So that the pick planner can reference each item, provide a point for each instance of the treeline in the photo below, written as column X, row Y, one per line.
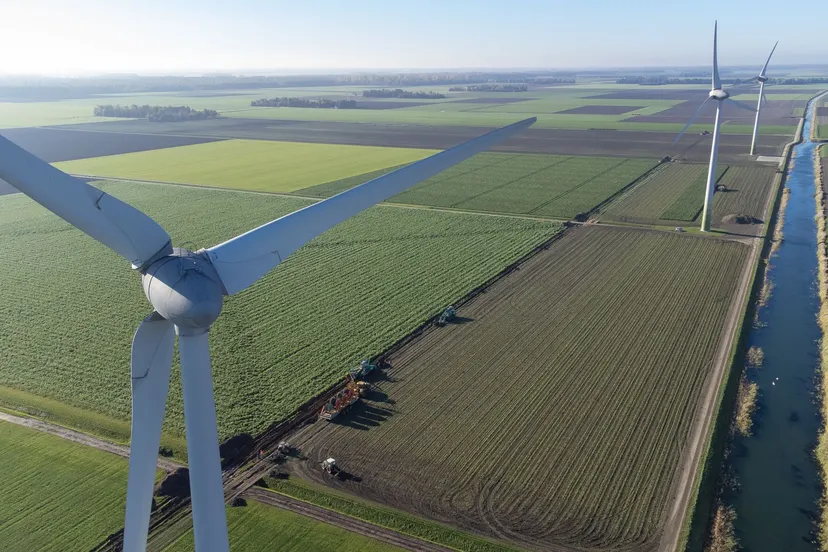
column 799, row 80
column 551, row 80
column 301, row 102
column 155, row 113
column 490, row 88
column 400, row 93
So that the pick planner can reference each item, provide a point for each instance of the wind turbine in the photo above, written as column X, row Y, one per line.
column 761, row 78
column 719, row 94
column 185, row 289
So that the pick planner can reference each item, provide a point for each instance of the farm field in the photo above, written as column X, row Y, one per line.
column 247, row 164
column 57, row 495
column 675, row 193
column 289, row 337
column 541, row 185
column 554, row 417
column 627, row 143
column 258, row 527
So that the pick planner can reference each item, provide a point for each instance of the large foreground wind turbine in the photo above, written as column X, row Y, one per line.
column 761, row 78
column 719, row 94
column 185, row 289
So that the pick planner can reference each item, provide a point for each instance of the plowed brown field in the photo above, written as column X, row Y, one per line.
column 554, row 413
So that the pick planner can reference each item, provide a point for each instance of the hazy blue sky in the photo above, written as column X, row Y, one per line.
column 169, row 35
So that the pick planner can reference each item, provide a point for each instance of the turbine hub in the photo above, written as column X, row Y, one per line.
column 762, row 78
column 719, row 94
column 185, row 289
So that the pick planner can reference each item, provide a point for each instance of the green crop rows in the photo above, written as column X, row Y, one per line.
column 57, row 495
column 542, row 185
column 69, row 307
column 674, row 192
column 257, row 527
column 557, row 416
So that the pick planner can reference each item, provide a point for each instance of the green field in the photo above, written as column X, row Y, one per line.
column 542, row 185
column 675, row 193
column 258, row 527
column 347, row 296
column 386, row 517
column 247, row 164
column 558, row 413
column 56, row 494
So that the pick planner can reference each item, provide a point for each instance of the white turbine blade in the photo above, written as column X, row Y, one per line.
column 244, row 259
column 206, row 490
column 717, row 82
column 765, row 68
column 690, row 122
column 764, row 97
column 741, row 105
column 119, row 226
column 152, row 354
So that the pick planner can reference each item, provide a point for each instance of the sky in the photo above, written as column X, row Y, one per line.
column 168, row 36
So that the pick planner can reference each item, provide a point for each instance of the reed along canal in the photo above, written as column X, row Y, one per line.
column 779, row 485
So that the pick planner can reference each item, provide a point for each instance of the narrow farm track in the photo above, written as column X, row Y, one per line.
column 557, row 417
column 83, row 438
column 340, row 520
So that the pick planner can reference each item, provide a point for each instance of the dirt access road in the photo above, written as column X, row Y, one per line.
column 82, row 438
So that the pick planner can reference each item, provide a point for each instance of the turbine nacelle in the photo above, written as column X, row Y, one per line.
column 719, row 94
column 762, row 78
column 185, row 289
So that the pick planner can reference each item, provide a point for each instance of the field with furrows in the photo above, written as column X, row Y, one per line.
column 69, row 307
column 675, row 192
column 56, row 494
column 530, row 184
column 554, row 416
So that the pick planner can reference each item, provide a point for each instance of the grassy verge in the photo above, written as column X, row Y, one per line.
column 100, row 425
column 385, row 517
column 822, row 257
column 261, row 527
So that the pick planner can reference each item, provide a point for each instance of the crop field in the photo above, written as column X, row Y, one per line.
column 674, row 192
column 56, row 494
column 555, row 415
column 348, row 295
column 542, row 185
column 258, row 527
column 247, row 164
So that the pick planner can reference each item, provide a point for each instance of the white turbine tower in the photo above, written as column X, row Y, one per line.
column 719, row 94
column 185, row 289
column 762, row 79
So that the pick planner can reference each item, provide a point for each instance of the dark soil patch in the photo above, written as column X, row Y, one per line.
column 53, row 145
column 492, row 100
column 612, row 143
column 600, row 110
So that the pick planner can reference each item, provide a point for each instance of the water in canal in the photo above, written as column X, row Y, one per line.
column 777, row 502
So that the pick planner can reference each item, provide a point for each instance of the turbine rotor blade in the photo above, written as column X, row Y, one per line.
column 152, row 355
column 764, row 97
column 717, row 82
column 765, row 67
column 119, row 226
column 741, row 105
column 692, row 119
column 206, row 490
column 244, row 259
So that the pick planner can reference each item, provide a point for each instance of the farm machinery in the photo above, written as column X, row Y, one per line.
column 329, row 466
column 447, row 316
column 355, row 388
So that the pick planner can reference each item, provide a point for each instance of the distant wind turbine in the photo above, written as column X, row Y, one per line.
column 719, row 94
column 761, row 78
column 185, row 289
